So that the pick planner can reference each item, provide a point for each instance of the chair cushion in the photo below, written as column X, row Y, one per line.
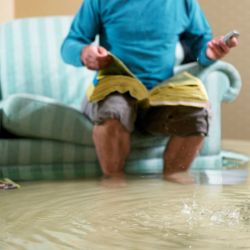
column 20, row 151
column 32, row 116
column 52, row 171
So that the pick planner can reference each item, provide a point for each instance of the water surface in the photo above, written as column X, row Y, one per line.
column 146, row 213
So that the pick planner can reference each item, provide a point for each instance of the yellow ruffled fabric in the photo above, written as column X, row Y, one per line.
column 182, row 89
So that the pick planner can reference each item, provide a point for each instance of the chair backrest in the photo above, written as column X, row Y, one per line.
column 31, row 62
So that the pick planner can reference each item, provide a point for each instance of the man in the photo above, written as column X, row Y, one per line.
column 143, row 34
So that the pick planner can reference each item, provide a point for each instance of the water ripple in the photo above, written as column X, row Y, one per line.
column 147, row 213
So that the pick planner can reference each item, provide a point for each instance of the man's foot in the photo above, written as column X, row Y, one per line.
column 114, row 181
column 180, row 178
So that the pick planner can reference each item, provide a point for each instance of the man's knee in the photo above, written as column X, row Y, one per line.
column 111, row 128
column 116, row 109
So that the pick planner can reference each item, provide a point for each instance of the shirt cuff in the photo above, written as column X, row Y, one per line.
column 78, row 52
column 71, row 53
column 203, row 59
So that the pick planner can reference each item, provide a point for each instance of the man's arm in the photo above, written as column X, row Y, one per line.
column 76, row 48
column 197, row 34
column 199, row 38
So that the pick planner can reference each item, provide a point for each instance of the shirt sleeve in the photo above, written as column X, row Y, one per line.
column 198, row 34
column 84, row 28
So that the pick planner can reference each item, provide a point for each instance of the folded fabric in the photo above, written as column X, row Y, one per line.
column 8, row 184
column 181, row 89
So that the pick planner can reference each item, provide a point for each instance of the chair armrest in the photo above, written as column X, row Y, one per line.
column 229, row 87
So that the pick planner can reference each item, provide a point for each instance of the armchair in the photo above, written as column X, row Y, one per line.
column 43, row 135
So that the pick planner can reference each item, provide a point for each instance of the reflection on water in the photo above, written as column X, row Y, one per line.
column 226, row 177
column 147, row 213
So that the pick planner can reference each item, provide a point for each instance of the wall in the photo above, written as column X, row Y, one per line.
column 6, row 10
column 25, row 8
column 224, row 15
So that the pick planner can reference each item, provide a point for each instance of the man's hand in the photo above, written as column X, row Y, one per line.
column 217, row 48
column 95, row 57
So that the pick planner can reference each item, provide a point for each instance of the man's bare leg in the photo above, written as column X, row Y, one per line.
column 112, row 143
column 178, row 156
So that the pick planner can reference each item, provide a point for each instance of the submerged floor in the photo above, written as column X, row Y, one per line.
column 146, row 213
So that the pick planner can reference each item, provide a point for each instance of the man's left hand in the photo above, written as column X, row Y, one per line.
column 217, row 48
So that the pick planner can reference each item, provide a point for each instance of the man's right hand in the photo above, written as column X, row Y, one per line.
column 95, row 57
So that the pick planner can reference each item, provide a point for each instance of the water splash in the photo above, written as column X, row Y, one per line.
column 196, row 214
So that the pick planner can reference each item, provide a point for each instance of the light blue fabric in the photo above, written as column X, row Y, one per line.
column 143, row 34
column 36, row 151
column 1, row 117
column 31, row 62
column 56, row 148
column 152, row 166
column 40, row 117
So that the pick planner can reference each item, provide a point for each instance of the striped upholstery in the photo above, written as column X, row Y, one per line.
column 30, row 116
column 1, row 118
column 52, row 171
column 33, row 151
column 42, row 117
column 41, row 99
column 31, row 62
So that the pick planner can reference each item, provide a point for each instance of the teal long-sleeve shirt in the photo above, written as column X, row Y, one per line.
column 142, row 33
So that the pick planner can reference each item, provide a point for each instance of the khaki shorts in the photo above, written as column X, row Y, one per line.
column 160, row 120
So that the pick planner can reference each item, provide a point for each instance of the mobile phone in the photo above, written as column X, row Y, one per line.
column 230, row 35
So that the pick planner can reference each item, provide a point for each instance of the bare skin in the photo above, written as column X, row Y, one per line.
column 217, row 48
column 178, row 156
column 95, row 57
column 112, row 141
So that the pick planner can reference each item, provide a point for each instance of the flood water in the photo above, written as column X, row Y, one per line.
column 145, row 213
